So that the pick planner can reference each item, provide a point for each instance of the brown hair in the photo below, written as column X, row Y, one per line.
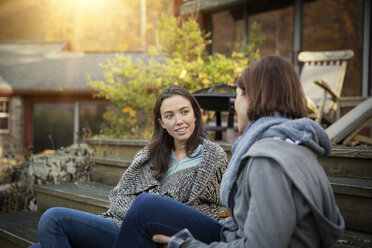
column 162, row 143
column 272, row 85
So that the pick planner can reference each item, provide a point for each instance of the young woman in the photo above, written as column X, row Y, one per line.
column 277, row 192
column 179, row 163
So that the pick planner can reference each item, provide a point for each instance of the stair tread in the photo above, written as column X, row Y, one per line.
column 353, row 239
column 91, row 190
column 355, row 182
column 351, row 186
column 20, row 227
column 23, row 226
column 119, row 162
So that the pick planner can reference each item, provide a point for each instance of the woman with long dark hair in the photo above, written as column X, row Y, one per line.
column 179, row 163
column 277, row 192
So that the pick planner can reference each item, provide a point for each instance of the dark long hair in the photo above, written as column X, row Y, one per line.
column 162, row 144
column 271, row 85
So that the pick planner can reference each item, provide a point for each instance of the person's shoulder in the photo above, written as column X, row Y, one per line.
column 271, row 147
column 142, row 154
column 294, row 159
column 210, row 144
column 212, row 147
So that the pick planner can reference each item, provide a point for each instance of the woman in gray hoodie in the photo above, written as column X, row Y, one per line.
column 274, row 187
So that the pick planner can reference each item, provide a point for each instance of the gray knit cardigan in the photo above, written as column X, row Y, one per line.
column 197, row 186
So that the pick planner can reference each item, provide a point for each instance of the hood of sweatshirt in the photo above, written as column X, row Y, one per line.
column 300, row 164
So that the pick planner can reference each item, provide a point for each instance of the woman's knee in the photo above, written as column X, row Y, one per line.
column 146, row 197
column 146, row 202
column 144, row 206
column 50, row 218
column 36, row 245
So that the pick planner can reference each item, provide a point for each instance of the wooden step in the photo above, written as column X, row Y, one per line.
column 109, row 170
column 18, row 229
column 354, row 199
column 349, row 162
column 127, row 148
column 353, row 239
column 88, row 197
column 116, row 148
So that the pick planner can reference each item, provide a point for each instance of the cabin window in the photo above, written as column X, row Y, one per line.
column 4, row 115
column 53, row 123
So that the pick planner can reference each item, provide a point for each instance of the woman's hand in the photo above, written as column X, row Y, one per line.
column 161, row 239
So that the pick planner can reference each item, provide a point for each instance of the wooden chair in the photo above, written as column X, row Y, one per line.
column 322, row 77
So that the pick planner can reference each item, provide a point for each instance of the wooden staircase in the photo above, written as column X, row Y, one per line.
column 349, row 171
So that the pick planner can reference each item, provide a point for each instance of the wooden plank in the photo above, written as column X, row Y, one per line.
column 350, row 186
column 108, row 170
column 354, row 199
column 325, row 55
column 18, row 229
column 196, row 6
column 122, row 163
column 88, row 197
column 107, row 174
column 351, row 152
column 112, row 150
column 351, row 101
column 363, row 139
column 360, row 168
column 356, row 211
column 10, row 238
column 353, row 239
column 116, row 148
column 117, row 142
column 102, row 144
column 356, row 131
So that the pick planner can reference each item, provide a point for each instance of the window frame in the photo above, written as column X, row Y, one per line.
column 5, row 115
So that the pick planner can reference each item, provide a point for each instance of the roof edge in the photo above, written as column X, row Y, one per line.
column 63, row 92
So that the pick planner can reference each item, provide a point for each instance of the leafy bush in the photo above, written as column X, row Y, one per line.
column 180, row 57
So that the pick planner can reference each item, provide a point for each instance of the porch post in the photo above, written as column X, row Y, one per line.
column 366, row 54
column 76, row 122
column 143, row 24
column 245, row 35
column 28, row 139
column 297, row 32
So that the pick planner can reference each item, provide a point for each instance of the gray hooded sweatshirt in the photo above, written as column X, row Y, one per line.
column 282, row 198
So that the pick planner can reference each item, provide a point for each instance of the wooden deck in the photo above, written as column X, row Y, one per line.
column 349, row 171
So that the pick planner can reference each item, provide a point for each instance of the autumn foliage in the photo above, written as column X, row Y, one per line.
column 179, row 57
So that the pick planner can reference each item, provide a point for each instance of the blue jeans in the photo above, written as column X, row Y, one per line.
column 152, row 214
column 64, row 227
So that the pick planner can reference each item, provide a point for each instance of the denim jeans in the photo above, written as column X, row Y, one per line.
column 64, row 227
column 152, row 214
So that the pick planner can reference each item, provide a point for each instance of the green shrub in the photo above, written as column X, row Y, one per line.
column 179, row 58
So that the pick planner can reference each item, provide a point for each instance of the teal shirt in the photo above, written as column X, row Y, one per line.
column 194, row 160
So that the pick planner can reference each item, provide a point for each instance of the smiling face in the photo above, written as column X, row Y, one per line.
column 178, row 118
column 241, row 109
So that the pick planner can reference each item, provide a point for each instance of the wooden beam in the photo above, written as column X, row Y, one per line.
column 351, row 101
column 363, row 139
column 193, row 6
column 353, row 134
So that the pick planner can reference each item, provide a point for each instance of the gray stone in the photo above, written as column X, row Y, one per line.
column 71, row 164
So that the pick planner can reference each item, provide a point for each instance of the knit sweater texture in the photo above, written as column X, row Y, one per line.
column 197, row 186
